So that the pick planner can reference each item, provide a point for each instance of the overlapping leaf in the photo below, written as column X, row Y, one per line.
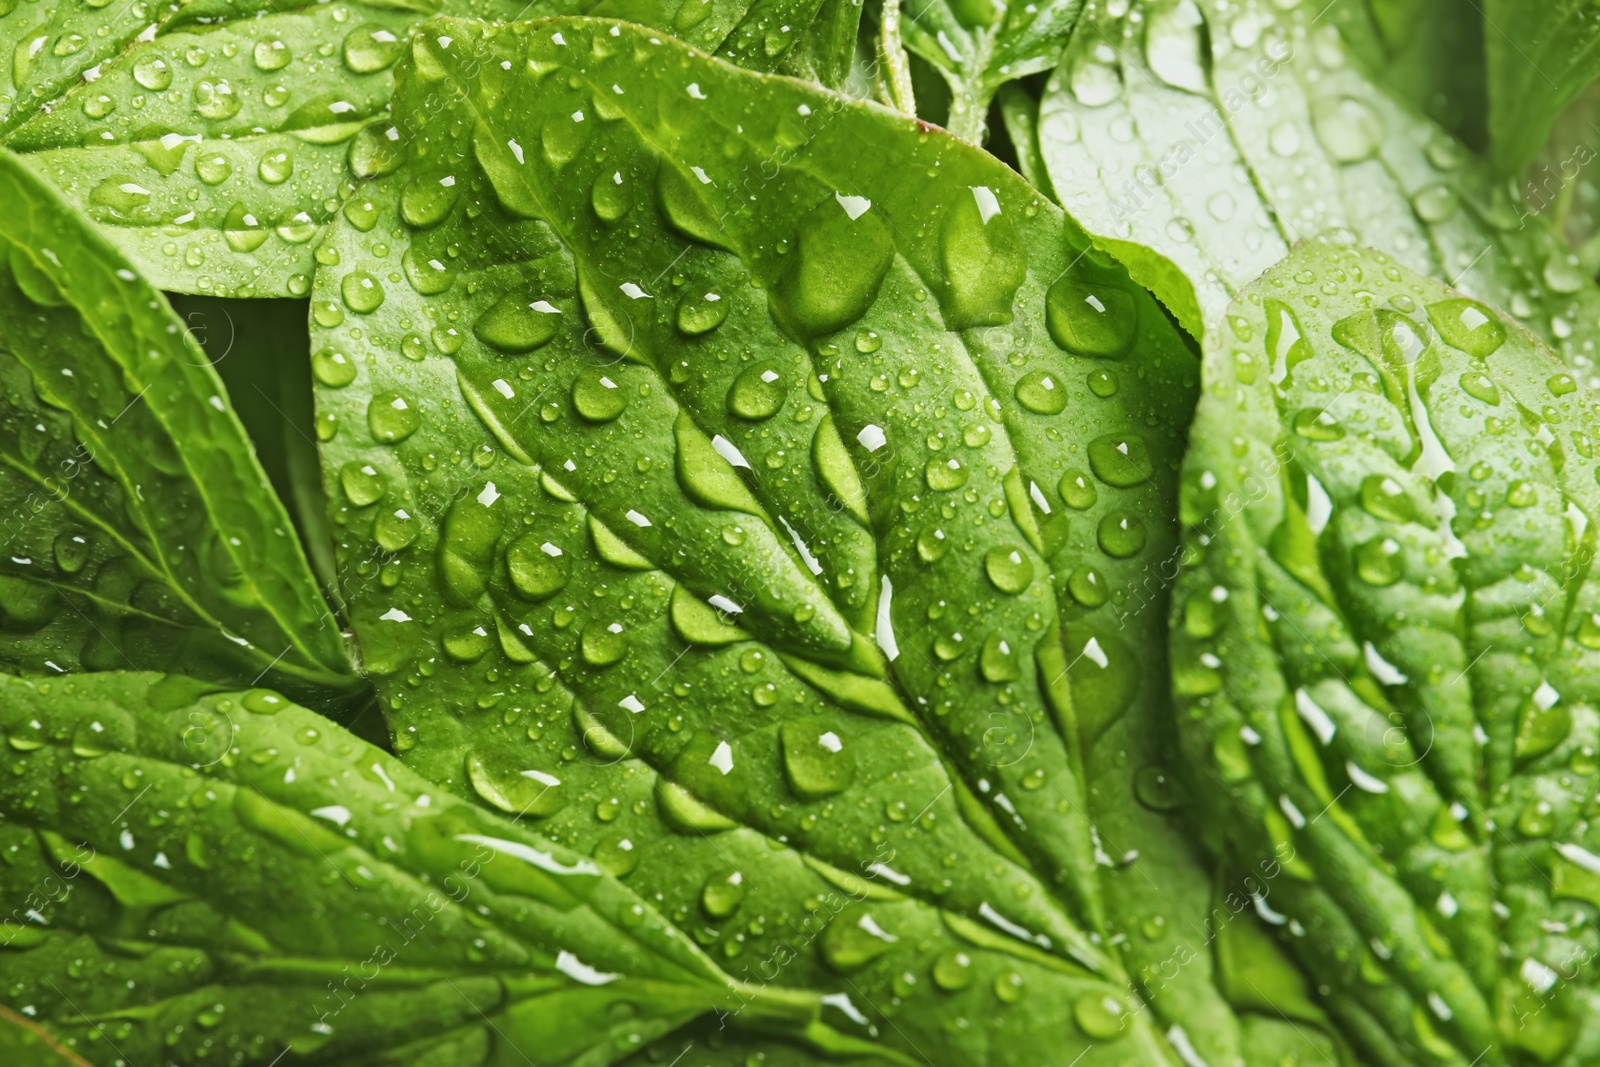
column 804, row 524
column 201, row 875
column 138, row 529
column 1540, row 58
column 1386, row 653
column 980, row 45
column 1200, row 141
column 214, row 141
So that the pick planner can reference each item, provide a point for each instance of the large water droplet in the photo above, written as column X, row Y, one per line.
column 1041, row 392
column 513, row 790
column 1174, row 46
column 1380, row 561
column 1121, row 534
column 391, row 418
column 984, row 261
column 611, row 197
column 816, row 760
column 427, row 199
column 836, row 270
column 538, row 568
column 361, row 291
column 369, row 49
column 757, row 393
column 1468, row 326
column 1122, row 460
column 722, row 894
column 1349, row 129
column 513, row 324
column 1009, row 568
column 597, row 395
column 1088, row 319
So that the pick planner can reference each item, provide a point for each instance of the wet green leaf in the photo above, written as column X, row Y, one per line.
column 239, row 871
column 804, row 590
column 1541, row 57
column 1199, row 141
column 139, row 530
column 215, row 142
column 980, row 45
column 1385, row 652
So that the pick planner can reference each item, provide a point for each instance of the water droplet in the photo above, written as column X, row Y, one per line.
column 1121, row 460
column 333, row 368
column 945, row 475
column 1317, row 424
column 391, row 418
column 368, row 49
column 1477, row 384
column 602, row 643
column 362, row 484
column 514, row 790
column 1386, row 498
column 216, row 100
column 757, row 393
column 1008, row 568
column 538, row 568
column 816, row 761
column 1041, row 392
column 272, row 55
column 1077, row 490
column 1468, row 326
column 700, row 313
column 513, row 325
column 836, row 271
column 153, row 73
column 598, row 396
column 1380, row 561
column 1435, row 203
column 722, row 894
column 854, row 939
column 213, row 168
column 427, row 199
column 1121, row 534
column 1174, row 46
column 1349, row 129
column 997, row 660
column 611, row 197
column 242, row 230
column 952, row 971
column 1088, row 586
column 1091, row 320
column 562, row 138
column 984, row 262
column 1156, row 789
column 1099, row 1015
column 361, row 291
column 276, row 166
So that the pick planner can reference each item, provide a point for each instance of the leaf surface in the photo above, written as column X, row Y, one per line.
column 1213, row 139
column 1385, row 651
column 777, row 500
column 233, row 871
column 1541, row 57
column 214, row 142
column 980, row 45
column 139, row 530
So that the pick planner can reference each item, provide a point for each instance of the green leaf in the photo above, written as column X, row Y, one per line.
column 823, row 545
column 980, row 45
column 1203, row 144
column 215, row 143
column 1385, row 649
column 139, row 530
column 1540, row 57
column 239, row 872
column 26, row 1044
